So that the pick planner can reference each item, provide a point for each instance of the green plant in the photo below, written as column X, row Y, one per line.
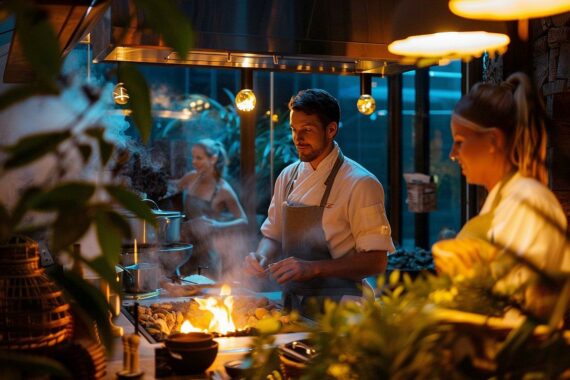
column 433, row 327
column 63, row 206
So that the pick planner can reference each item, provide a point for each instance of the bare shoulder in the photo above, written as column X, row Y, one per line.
column 226, row 189
column 188, row 178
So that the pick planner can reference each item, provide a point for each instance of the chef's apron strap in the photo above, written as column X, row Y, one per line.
column 330, row 179
column 294, row 175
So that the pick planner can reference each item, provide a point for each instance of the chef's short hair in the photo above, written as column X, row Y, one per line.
column 318, row 102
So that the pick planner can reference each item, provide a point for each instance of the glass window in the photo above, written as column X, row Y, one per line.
column 189, row 103
column 362, row 138
column 445, row 91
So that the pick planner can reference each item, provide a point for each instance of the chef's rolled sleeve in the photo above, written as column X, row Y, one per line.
column 372, row 230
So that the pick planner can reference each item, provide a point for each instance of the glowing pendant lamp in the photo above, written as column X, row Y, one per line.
column 245, row 98
column 366, row 103
column 425, row 31
column 508, row 9
column 504, row 10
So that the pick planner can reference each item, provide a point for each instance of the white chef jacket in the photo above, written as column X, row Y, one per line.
column 521, row 223
column 354, row 217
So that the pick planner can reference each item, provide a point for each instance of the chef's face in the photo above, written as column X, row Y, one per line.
column 200, row 160
column 312, row 139
column 474, row 151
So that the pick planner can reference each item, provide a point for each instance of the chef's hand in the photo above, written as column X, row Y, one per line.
column 293, row 269
column 253, row 266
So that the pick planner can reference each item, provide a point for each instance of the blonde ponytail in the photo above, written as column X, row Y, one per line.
column 529, row 143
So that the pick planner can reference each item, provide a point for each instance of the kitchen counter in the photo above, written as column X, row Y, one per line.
column 230, row 348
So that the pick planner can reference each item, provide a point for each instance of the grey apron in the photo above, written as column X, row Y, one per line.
column 304, row 238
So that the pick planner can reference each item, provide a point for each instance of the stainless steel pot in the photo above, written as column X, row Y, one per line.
column 170, row 257
column 166, row 232
column 141, row 278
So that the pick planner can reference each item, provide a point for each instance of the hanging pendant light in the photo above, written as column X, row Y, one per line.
column 245, row 98
column 505, row 10
column 120, row 94
column 366, row 103
column 508, row 9
column 425, row 31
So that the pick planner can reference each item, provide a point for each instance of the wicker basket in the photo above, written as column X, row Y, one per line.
column 33, row 313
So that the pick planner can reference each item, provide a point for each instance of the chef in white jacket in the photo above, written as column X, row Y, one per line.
column 326, row 228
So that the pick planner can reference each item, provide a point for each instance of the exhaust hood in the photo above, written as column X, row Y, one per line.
column 71, row 20
column 314, row 36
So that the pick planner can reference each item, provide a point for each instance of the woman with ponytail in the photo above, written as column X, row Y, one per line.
column 500, row 140
column 210, row 205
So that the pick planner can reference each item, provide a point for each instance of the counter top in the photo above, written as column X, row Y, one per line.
column 230, row 348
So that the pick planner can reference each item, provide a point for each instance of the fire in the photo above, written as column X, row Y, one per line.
column 187, row 327
column 225, row 290
column 221, row 308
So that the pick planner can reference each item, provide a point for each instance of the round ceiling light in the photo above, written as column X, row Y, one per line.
column 508, row 9
column 245, row 100
column 366, row 104
column 451, row 44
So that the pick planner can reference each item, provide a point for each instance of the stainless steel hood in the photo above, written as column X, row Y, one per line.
column 317, row 36
column 71, row 20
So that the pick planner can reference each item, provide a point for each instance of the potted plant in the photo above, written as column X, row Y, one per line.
column 69, row 192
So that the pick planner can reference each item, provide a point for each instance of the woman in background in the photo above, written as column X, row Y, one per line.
column 500, row 140
column 210, row 206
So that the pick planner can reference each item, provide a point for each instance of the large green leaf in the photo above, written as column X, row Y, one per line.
column 69, row 227
column 165, row 18
column 91, row 303
column 63, row 197
column 139, row 100
column 131, row 202
column 23, row 362
column 31, row 148
column 109, row 236
column 39, row 41
column 23, row 204
column 20, row 93
column 106, row 270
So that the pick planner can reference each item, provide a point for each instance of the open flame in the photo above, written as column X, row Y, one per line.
column 221, row 308
column 188, row 327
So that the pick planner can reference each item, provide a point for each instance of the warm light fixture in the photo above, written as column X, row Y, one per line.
column 506, row 10
column 245, row 99
column 427, row 30
column 120, row 94
column 366, row 103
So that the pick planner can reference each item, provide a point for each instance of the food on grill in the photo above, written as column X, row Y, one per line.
column 163, row 319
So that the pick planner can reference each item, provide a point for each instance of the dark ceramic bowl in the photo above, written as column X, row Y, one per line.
column 179, row 341
column 237, row 369
column 193, row 360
